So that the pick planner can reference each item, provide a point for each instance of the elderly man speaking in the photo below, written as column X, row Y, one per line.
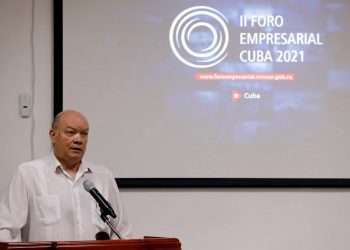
column 46, row 200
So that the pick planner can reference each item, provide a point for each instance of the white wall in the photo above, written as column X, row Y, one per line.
column 16, row 74
column 203, row 219
column 269, row 219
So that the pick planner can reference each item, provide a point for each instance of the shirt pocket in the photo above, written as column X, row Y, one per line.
column 48, row 209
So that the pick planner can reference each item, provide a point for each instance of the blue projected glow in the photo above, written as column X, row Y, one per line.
column 206, row 96
column 338, row 79
column 254, row 97
column 217, row 87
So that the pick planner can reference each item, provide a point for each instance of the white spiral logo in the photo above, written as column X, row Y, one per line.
column 185, row 23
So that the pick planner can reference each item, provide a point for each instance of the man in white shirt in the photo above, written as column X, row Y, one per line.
column 46, row 200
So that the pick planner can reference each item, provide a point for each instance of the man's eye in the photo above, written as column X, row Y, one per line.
column 70, row 132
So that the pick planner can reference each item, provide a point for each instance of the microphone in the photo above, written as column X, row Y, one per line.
column 106, row 208
column 102, row 236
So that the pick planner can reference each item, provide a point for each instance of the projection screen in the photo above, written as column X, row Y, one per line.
column 211, row 89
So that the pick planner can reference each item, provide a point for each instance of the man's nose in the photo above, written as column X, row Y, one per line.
column 78, row 138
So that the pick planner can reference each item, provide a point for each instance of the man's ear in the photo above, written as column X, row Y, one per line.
column 52, row 134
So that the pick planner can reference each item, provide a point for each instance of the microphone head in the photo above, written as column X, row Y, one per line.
column 88, row 185
column 102, row 236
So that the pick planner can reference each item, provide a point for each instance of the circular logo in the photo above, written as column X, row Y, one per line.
column 183, row 28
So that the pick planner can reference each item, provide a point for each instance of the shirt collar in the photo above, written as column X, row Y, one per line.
column 56, row 164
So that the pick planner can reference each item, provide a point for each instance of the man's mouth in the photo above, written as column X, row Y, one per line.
column 76, row 149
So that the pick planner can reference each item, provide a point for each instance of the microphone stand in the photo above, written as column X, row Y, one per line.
column 106, row 218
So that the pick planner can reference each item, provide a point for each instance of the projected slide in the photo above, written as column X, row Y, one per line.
column 212, row 88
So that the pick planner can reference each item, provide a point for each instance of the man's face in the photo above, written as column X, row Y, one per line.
column 70, row 137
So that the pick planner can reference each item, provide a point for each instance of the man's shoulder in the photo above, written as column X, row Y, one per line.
column 100, row 175
column 98, row 169
column 37, row 164
column 34, row 162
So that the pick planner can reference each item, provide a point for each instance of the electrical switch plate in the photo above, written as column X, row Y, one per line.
column 25, row 105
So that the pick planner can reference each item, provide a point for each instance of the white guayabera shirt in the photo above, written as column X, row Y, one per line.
column 44, row 203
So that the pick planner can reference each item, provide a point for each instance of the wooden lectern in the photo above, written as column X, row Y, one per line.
column 142, row 244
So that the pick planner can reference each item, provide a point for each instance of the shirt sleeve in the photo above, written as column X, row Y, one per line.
column 13, row 209
column 121, row 223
